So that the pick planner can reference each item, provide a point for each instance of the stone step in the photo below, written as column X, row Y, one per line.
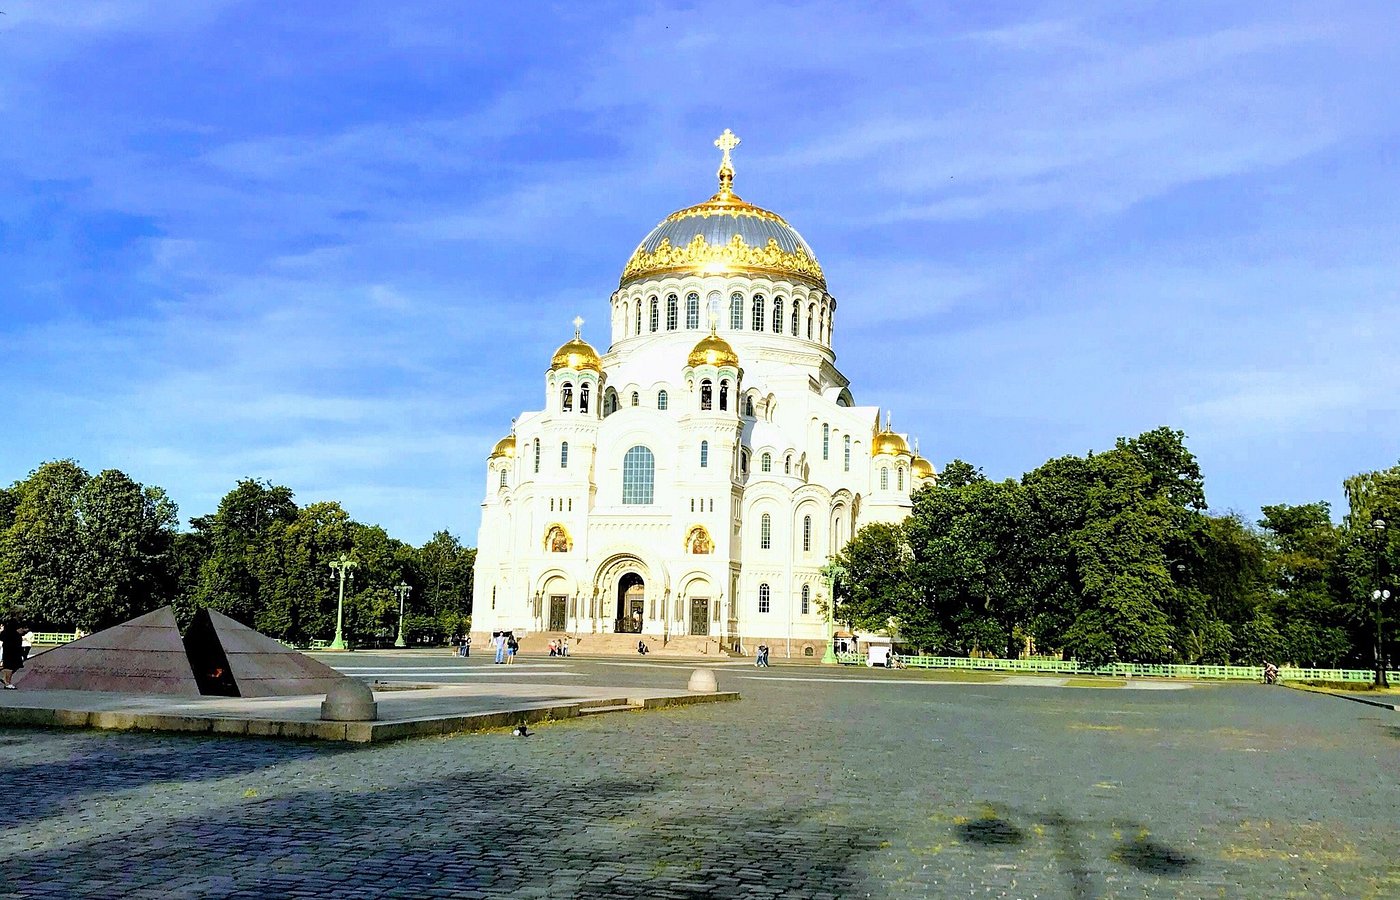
column 596, row 710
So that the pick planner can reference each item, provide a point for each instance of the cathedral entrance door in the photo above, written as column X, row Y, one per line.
column 631, row 604
column 700, row 615
column 557, row 607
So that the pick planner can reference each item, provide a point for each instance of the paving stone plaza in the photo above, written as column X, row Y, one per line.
column 818, row 783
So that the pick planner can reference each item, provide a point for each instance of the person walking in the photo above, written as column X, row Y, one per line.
column 564, row 647
column 512, row 647
column 466, row 646
column 498, row 639
column 11, row 653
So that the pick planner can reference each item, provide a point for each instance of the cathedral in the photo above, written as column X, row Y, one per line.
column 688, row 485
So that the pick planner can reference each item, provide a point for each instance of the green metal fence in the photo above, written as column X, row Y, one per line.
column 54, row 637
column 1148, row 670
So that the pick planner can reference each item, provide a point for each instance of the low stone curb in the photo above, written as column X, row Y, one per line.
column 352, row 732
column 1366, row 700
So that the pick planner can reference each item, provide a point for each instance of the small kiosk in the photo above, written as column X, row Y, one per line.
column 877, row 650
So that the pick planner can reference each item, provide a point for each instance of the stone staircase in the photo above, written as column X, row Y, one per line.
column 676, row 647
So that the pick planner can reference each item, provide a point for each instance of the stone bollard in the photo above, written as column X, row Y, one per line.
column 349, row 701
column 702, row 681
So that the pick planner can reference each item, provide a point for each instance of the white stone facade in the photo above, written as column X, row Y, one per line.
column 760, row 471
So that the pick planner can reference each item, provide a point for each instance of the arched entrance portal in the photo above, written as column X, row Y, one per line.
column 631, row 604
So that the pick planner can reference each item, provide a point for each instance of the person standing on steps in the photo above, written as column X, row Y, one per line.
column 498, row 640
column 512, row 647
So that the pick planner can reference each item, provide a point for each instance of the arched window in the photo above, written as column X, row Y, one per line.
column 821, row 323
column 705, row 393
column 503, row 478
column 537, row 455
column 777, row 315
column 899, row 478
column 765, row 462
column 638, row 476
column 566, row 397
column 884, row 479
column 636, row 399
column 811, row 314
column 846, row 454
column 765, row 598
column 671, row 314
column 787, row 464
column 564, row 455
column 795, row 307
column 662, row 399
column 655, row 315
column 692, row 310
column 826, row 441
column 610, row 402
column 758, row 305
column 765, row 532
column 736, row 312
column 639, row 317
column 583, row 398
column 807, row 605
column 704, row 454
column 748, row 407
column 806, row 535
column 724, row 396
column 743, row 462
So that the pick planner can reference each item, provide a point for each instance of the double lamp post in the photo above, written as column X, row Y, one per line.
column 1380, row 595
column 344, row 567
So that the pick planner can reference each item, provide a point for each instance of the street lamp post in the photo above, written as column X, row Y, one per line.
column 829, row 657
column 344, row 566
column 403, row 590
column 1380, row 595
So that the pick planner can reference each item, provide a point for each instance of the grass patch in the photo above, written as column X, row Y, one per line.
column 1350, row 687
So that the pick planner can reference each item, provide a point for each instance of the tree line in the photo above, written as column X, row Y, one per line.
column 1113, row 557
column 89, row 551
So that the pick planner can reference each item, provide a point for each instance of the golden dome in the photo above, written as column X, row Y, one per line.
column 889, row 442
column 577, row 354
column 713, row 350
column 722, row 235
column 504, row 447
column 921, row 467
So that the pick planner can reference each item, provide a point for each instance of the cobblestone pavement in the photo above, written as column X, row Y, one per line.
column 817, row 784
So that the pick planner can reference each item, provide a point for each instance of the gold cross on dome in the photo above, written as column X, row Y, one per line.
column 726, row 142
column 578, row 325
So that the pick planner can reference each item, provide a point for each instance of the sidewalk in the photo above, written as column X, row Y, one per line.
column 404, row 711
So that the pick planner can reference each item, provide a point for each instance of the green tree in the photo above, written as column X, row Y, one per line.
column 42, row 571
column 128, row 535
column 877, row 585
column 970, row 546
column 239, row 535
column 84, row 551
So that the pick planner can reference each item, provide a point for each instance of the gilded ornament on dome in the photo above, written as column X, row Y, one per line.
column 735, row 255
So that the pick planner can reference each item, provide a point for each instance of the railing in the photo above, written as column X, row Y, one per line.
column 1141, row 670
column 54, row 637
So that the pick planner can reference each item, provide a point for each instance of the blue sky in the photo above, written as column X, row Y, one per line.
column 334, row 244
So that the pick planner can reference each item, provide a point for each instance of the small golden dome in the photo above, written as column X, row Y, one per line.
column 504, row 447
column 889, row 442
column 577, row 354
column 713, row 350
column 921, row 467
